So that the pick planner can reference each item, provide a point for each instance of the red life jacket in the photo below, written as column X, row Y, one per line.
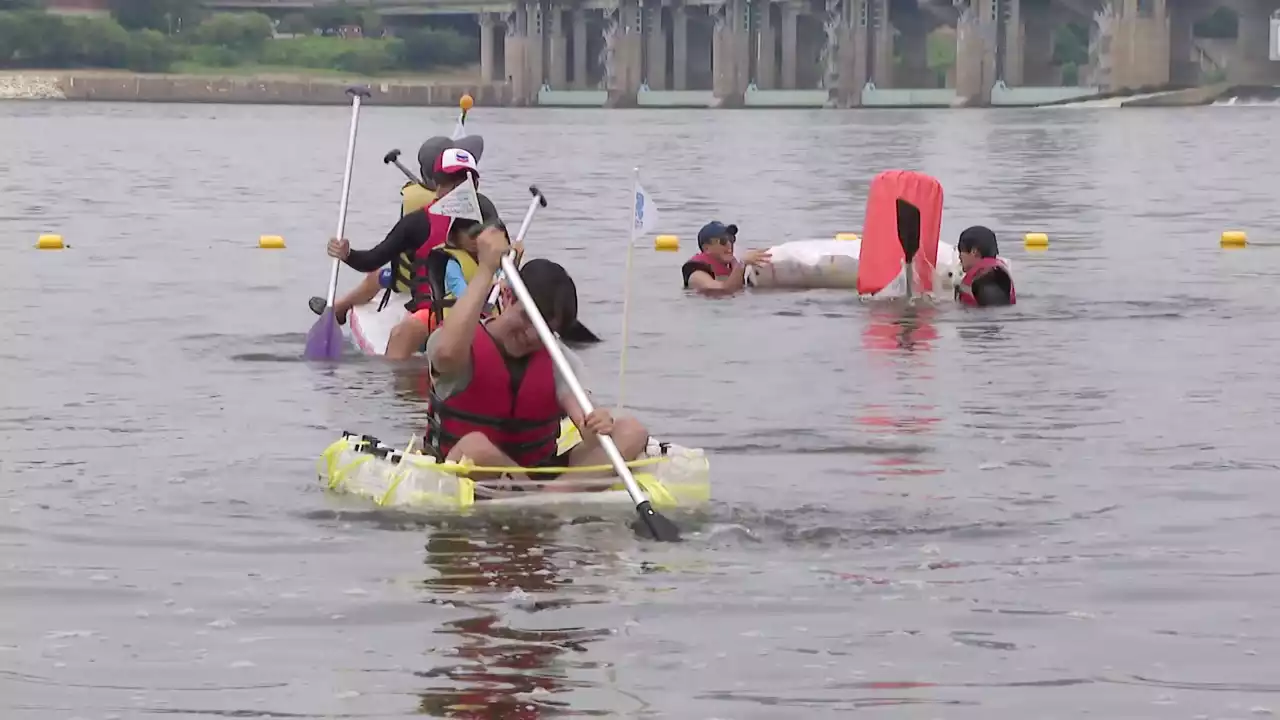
column 964, row 291
column 520, row 415
column 707, row 264
column 420, row 282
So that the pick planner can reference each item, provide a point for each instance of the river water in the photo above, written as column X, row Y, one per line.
column 1059, row 509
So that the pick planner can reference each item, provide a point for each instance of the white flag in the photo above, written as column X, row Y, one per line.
column 646, row 213
column 461, row 202
column 460, row 130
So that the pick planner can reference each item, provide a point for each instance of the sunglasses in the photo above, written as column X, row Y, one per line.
column 722, row 240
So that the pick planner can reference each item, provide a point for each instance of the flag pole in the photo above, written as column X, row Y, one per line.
column 636, row 209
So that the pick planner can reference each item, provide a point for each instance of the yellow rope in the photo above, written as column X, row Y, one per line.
column 460, row 469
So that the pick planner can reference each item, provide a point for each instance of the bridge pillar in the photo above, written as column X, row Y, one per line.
column 581, row 80
column 766, row 51
column 514, row 53
column 679, row 48
column 730, row 52
column 881, row 44
column 626, row 38
column 535, row 55
column 656, row 38
column 1013, row 46
column 976, row 52
column 854, row 42
column 789, row 17
column 488, row 56
column 1139, row 44
column 557, row 75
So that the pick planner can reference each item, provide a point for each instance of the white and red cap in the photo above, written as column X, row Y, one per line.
column 455, row 160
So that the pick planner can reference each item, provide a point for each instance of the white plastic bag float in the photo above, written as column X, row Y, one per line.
column 833, row 264
column 371, row 328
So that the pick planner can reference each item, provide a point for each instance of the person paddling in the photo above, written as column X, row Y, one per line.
column 397, row 275
column 715, row 270
column 986, row 280
column 417, row 234
column 496, row 396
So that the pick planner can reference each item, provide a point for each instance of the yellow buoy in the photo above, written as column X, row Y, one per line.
column 271, row 242
column 846, row 236
column 666, row 243
column 1234, row 239
column 1035, row 241
column 466, row 102
column 49, row 242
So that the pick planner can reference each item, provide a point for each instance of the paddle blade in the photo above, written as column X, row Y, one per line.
column 324, row 339
column 908, row 229
column 653, row 526
column 579, row 334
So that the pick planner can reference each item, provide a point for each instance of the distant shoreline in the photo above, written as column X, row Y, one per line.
column 109, row 86
column 287, row 88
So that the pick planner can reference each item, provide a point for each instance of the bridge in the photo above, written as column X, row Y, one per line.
column 845, row 53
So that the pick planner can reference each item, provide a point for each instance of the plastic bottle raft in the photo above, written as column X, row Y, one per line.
column 673, row 477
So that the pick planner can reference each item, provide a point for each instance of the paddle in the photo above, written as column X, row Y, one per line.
column 394, row 157
column 909, row 237
column 578, row 333
column 651, row 524
column 324, row 340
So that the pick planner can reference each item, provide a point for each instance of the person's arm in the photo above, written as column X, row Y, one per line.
column 453, row 349
column 403, row 237
column 455, row 283
column 705, row 284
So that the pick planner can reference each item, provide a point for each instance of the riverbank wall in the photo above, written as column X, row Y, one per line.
column 103, row 86
column 237, row 90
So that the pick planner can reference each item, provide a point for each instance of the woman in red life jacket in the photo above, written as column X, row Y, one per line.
column 986, row 278
column 426, row 232
column 714, row 270
column 496, row 396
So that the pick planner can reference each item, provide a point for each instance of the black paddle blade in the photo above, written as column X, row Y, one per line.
column 908, row 229
column 579, row 334
column 653, row 526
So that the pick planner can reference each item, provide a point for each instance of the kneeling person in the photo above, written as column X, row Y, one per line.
column 497, row 397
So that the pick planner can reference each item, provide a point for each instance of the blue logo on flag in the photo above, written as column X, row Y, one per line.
column 639, row 209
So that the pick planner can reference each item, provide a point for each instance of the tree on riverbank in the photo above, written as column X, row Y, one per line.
column 154, row 35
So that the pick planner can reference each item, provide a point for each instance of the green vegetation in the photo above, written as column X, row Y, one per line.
column 164, row 35
column 940, row 49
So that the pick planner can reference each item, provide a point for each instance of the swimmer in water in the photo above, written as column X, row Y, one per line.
column 986, row 281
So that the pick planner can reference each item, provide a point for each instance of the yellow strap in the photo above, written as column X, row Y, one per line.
column 656, row 491
column 335, row 478
column 468, row 468
column 400, row 473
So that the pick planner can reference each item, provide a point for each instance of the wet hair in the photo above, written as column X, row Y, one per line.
column 473, row 228
column 980, row 239
column 553, row 291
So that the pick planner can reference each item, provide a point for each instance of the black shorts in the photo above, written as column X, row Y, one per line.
column 557, row 460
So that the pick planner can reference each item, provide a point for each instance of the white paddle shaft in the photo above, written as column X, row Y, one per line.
column 346, row 194
column 562, row 364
